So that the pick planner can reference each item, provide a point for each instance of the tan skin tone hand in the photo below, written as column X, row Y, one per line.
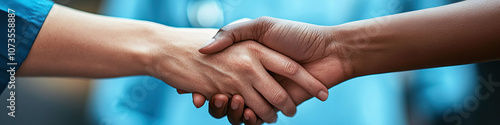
column 459, row 33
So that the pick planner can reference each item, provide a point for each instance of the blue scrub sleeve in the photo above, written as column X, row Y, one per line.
column 20, row 21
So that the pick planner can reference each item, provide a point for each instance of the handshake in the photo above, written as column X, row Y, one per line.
column 252, row 69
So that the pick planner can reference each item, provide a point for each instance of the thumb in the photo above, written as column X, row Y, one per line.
column 227, row 35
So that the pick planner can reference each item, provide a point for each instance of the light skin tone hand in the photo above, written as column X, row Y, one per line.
column 78, row 44
column 459, row 33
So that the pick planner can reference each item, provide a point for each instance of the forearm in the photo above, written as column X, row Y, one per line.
column 460, row 33
column 75, row 43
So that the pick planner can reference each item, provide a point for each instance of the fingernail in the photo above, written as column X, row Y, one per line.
column 322, row 95
column 235, row 105
column 218, row 103
column 208, row 43
column 246, row 117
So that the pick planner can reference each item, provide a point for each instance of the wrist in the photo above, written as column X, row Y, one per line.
column 172, row 57
column 367, row 46
column 171, row 45
column 347, row 43
column 149, row 46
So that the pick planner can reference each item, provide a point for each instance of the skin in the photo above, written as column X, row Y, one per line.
column 78, row 44
column 459, row 33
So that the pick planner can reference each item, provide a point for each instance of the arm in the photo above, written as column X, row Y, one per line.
column 77, row 44
column 460, row 33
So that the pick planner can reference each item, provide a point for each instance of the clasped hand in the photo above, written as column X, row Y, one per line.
column 267, row 80
column 314, row 56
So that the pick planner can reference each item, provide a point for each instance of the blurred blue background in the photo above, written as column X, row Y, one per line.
column 413, row 97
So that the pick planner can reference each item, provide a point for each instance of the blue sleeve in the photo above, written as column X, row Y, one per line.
column 22, row 30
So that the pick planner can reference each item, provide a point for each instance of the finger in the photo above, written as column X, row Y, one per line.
column 274, row 93
column 217, row 105
column 227, row 35
column 181, row 91
column 262, row 108
column 198, row 100
column 249, row 117
column 235, row 112
column 282, row 65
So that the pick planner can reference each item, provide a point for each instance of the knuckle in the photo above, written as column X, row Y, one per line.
column 253, row 46
column 290, row 68
column 279, row 98
column 228, row 31
column 225, row 28
column 244, row 64
column 232, row 82
column 262, row 25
